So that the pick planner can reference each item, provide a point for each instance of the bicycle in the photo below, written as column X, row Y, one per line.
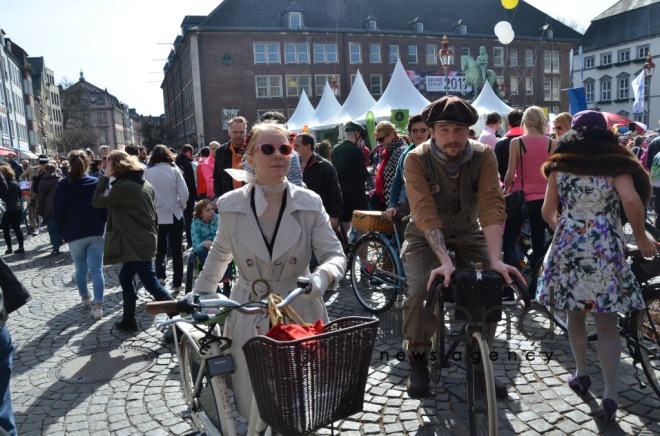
column 204, row 365
column 482, row 403
column 639, row 328
column 31, row 219
column 376, row 270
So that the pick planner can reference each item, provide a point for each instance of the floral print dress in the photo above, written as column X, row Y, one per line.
column 585, row 268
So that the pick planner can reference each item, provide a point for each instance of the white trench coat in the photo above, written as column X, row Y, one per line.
column 304, row 229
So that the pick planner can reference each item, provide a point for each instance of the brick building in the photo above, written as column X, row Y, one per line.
column 247, row 56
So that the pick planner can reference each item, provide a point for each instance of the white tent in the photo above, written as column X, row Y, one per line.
column 488, row 102
column 357, row 103
column 303, row 114
column 328, row 106
column 400, row 94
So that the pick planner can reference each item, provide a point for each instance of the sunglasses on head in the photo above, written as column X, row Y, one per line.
column 268, row 149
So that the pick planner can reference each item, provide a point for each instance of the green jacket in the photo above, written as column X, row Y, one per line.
column 132, row 228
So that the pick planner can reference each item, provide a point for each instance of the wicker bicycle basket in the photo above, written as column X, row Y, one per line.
column 303, row 385
column 371, row 221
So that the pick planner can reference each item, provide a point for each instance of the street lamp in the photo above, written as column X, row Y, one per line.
column 446, row 59
column 649, row 68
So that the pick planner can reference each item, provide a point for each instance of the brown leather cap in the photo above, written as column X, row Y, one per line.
column 450, row 110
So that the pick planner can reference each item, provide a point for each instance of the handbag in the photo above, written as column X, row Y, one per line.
column 478, row 294
column 3, row 208
column 296, row 329
column 14, row 293
column 515, row 201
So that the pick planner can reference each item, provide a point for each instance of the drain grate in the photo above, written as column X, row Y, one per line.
column 101, row 366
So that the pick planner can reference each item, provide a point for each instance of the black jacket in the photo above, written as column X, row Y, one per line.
column 186, row 166
column 12, row 197
column 320, row 176
column 502, row 154
column 222, row 182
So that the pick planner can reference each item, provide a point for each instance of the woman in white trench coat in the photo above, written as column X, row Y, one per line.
column 270, row 210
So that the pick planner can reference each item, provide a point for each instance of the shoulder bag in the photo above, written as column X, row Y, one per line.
column 515, row 201
column 14, row 294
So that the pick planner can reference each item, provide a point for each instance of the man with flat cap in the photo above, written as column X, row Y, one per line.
column 455, row 199
column 351, row 172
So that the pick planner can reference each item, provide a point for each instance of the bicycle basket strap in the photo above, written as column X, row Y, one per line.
column 478, row 300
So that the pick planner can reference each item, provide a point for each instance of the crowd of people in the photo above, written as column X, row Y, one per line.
column 268, row 200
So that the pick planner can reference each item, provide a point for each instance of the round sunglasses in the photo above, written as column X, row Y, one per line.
column 268, row 149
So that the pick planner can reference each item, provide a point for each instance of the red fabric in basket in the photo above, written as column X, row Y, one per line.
column 291, row 332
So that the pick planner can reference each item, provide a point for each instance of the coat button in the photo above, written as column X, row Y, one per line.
column 293, row 261
column 249, row 262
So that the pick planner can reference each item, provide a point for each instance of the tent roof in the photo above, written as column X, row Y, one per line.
column 488, row 102
column 303, row 114
column 400, row 94
column 357, row 103
column 328, row 106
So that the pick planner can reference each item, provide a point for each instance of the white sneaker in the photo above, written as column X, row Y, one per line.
column 97, row 313
column 86, row 303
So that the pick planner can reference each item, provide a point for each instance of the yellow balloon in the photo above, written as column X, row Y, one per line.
column 509, row 4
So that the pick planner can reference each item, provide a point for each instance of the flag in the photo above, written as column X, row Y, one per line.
column 570, row 66
column 577, row 100
column 581, row 64
column 638, row 92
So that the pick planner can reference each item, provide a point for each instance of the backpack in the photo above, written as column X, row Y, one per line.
column 655, row 171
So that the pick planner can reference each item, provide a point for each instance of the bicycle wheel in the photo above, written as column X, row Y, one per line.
column 191, row 363
column 376, row 274
column 645, row 326
column 482, row 405
column 33, row 218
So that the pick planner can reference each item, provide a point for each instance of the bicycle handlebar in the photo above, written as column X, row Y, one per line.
column 191, row 302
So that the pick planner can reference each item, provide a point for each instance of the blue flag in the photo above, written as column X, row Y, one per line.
column 577, row 100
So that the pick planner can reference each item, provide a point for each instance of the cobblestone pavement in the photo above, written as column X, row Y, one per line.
column 76, row 376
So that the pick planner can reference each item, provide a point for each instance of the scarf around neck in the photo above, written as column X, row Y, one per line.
column 453, row 167
column 597, row 158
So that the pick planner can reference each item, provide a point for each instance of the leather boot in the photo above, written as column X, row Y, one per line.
column 127, row 322
column 418, row 381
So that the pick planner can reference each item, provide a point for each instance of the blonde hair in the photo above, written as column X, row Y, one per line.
column 384, row 128
column 122, row 162
column 534, row 119
column 259, row 129
column 564, row 119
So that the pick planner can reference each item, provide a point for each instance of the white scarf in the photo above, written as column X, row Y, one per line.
column 260, row 190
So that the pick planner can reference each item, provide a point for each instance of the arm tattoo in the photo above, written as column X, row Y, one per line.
column 436, row 240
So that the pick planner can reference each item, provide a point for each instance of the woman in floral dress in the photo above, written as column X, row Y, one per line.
column 585, row 269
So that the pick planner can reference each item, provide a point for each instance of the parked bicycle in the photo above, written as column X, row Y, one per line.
column 31, row 219
column 452, row 332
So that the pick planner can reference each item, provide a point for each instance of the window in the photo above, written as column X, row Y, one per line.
column 296, row 53
column 462, row 29
column 102, row 117
column 374, row 54
column 321, row 79
column 498, row 57
column 268, row 86
column 624, row 55
column 295, row 20
column 325, row 53
column 376, row 84
column 296, row 84
column 394, row 53
column 266, row 53
column 431, row 54
column 103, row 136
column 372, row 25
column 412, row 54
column 606, row 89
column 551, row 62
column 356, row 52
column 419, row 27
column 606, row 58
column 551, row 88
column 465, row 51
column 529, row 86
column 513, row 85
column 642, row 51
column 623, row 87
column 589, row 61
column 529, row 58
column 513, row 57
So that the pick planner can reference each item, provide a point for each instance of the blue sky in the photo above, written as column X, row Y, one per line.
column 121, row 45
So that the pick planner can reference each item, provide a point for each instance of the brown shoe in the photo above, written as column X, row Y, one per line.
column 417, row 384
